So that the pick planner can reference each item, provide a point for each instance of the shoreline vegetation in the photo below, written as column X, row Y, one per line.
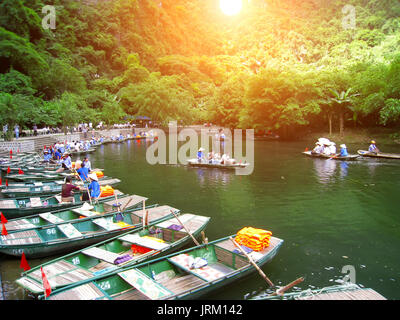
column 284, row 66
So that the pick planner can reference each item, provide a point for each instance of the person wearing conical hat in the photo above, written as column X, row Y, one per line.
column 200, row 154
column 318, row 149
column 343, row 150
column 94, row 186
column 373, row 148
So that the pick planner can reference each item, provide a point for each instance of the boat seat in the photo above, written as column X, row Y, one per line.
column 36, row 202
column 101, row 254
column 69, row 230
column 106, row 224
column 147, row 242
column 144, row 284
column 38, row 184
column 208, row 273
column 50, row 217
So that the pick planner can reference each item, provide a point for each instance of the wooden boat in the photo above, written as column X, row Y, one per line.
column 350, row 157
column 44, row 188
column 69, row 215
column 35, row 176
column 114, row 254
column 365, row 153
column 347, row 291
column 67, row 237
column 20, row 207
column 170, row 277
column 90, row 150
column 205, row 164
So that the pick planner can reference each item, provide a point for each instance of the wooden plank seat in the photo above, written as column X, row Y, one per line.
column 147, row 242
column 101, row 254
column 144, row 284
column 8, row 204
column 87, row 291
column 50, row 217
column 208, row 273
column 106, row 223
column 69, row 230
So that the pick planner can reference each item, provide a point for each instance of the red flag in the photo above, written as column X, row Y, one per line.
column 46, row 284
column 3, row 218
column 10, row 154
column 24, row 263
column 20, row 171
column 1, row 181
column 6, row 182
column 306, row 149
column 8, row 170
column 4, row 230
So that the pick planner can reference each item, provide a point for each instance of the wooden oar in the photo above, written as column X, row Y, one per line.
column 253, row 263
column 194, row 239
column 282, row 290
column 203, row 235
column 335, row 156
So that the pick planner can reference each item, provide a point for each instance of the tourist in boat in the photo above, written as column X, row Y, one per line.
column 82, row 170
column 200, row 154
column 87, row 163
column 66, row 190
column 66, row 163
column 47, row 155
column 319, row 148
column 332, row 148
column 373, row 148
column 343, row 151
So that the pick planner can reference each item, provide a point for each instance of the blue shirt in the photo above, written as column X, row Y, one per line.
column 372, row 148
column 94, row 189
column 67, row 162
column 83, row 173
column 343, row 152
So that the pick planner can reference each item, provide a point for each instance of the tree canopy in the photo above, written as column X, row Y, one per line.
column 277, row 64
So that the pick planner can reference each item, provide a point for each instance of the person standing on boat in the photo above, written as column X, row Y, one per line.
column 373, row 148
column 87, row 163
column 66, row 191
column 94, row 186
column 343, row 151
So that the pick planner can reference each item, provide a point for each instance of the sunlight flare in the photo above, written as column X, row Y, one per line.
column 230, row 7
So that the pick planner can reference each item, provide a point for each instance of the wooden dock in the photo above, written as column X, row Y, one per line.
column 350, row 294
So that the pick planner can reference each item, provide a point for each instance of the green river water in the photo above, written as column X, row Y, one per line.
column 331, row 214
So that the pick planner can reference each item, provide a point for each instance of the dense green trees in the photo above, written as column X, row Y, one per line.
column 278, row 64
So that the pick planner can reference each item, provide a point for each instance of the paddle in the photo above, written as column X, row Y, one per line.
column 253, row 263
column 194, row 239
column 335, row 156
column 203, row 235
column 281, row 291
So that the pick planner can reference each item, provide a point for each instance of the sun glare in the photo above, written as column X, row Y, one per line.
column 230, row 7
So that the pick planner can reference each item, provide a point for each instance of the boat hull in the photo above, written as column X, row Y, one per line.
column 350, row 157
column 365, row 153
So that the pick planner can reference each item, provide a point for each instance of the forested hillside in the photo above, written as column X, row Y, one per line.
column 275, row 65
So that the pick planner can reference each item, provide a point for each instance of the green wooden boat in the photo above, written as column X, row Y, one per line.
column 40, row 189
column 365, row 153
column 350, row 157
column 67, row 237
column 169, row 277
column 347, row 291
column 116, row 253
column 35, row 176
column 20, row 207
column 46, row 219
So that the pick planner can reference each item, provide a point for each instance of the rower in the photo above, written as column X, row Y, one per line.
column 66, row 163
column 87, row 163
column 373, row 148
column 200, row 155
column 343, row 150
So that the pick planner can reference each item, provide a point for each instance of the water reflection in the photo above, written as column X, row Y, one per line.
column 344, row 166
column 325, row 169
column 215, row 176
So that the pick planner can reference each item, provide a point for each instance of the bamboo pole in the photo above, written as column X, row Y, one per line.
column 253, row 263
column 282, row 290
column 194, row 239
